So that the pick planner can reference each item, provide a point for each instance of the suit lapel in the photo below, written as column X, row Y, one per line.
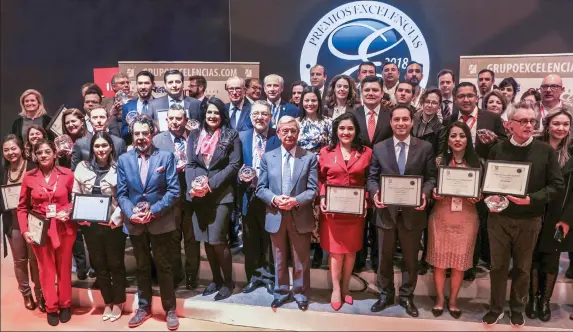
column 244, row 114
column 216, row 155
column 361, row 117
column 298, row 163
column 339, row 158
column 412, row 150
column 134, row 165
column 249, row 148
column 354, row 156
column 391, row 152
column 153, row 159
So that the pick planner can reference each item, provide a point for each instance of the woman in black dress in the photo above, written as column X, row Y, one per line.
column 32, row 112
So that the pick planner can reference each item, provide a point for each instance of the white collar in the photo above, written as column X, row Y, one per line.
column 407, row 140
column 376, row 110
column 181, row 98
column 240, row 107
column 277, row 103
column 284, row 151
column 513, row 142
column 473, row 114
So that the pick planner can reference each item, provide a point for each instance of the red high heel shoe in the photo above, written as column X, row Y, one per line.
column 336, row 305
column 348, row 299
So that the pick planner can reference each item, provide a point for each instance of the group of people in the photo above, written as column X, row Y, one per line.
column 186, row 183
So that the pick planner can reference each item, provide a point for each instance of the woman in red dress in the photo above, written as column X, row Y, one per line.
column 46, row 191
column 345, row 163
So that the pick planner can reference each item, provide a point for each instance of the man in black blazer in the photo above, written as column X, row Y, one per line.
column 239, row 109
column 466, row 109
column 402, row 154
column 197, row 88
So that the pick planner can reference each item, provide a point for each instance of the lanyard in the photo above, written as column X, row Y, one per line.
column 51, row 196
column 471, row 126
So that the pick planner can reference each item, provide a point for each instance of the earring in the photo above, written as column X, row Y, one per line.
column 449, row 150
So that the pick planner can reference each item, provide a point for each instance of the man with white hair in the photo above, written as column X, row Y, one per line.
column 273, row 86
column 239, row 109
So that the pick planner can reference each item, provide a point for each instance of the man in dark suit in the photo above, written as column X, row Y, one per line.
column 253, row 89
column 197, row 88
column 148, row 175
column 93, row 100
column 99, row 121
column 466, row 110
column 259, row 266
column 239, row 108
column 175, row 140
column 119, row 82
column 402, row 154
column 173, row 80
column 145, row 82
column 273, row 86
column 288, row 185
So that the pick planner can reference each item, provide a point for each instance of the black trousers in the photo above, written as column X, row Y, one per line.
column 107, row 249
column 547, row 262
column 259, row 262
column 191, row 246
column 481, row 249
column 410, row 245
column 162, row 245
column 79, row 252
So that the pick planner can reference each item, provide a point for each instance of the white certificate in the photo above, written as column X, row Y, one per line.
column 345, row 199
column 11, row 196
column 506, row 177
column 38, row 228
column 401, row 190
column 94, row 208
column 458, row 182
column 162, row 120
column 55, row 126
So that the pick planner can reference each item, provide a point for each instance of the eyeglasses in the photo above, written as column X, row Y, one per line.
column 431, row 103
column 468, row 96
column 524, row 122
column 553, row 87
column 233, row 89
column 261, row 114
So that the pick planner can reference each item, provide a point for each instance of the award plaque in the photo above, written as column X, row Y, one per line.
column 401, row 190
column 247, row 174
column 92, row 208
column 10, row 196
column 506, row 178
column 162, row 120
column 38, row 227
column 55, row 126
column 459, row 182
column 345, row 199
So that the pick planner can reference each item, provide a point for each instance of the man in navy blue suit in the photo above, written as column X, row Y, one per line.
column 145, row 82
column 197, row 88
column 273, row 86
column 239, row 108
column 259, row 264
column 147, row 176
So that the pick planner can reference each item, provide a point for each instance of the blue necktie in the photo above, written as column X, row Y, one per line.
column 402, row 158
column 179, row 144
column 286, row 185
column 274, row 112
column 234, row 117
column 144, row 108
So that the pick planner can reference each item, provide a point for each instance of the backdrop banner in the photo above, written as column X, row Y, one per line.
column 216, row 73
column 528, row 69
column 102, row 77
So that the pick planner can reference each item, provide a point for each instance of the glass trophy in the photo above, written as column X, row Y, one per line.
column 496, row 203
column 247, row 174
column 141, row 207
column 130, row 117
column 485, row 134
column 180, row 158
column 122, row 97
column 200, row 183
column 64, row 144
column 192, row 125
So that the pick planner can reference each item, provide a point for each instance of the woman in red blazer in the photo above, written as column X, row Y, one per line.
column 46, row 191
column 345, row 162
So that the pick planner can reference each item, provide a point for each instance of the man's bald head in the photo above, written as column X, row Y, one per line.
column 551, row 90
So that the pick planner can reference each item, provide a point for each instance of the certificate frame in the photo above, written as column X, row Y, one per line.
column 55, row 125
column 6, row 203
column 417, row 182
column 361, row 193
column 474, row 173
column 38, row 226
column 104, row 199
column 490, row 188
column 162, row 120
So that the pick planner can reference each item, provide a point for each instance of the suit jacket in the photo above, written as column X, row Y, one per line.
column 163, row 141
column 191, row 105
column 128, row 107
column 432, row 132
column 244, row 122
column 81, row 149
column 420, row 161
column 304, row 188
column 383, row 130
column 333, row 170
column 485, row 120
column 286, row 109
column 161, row 190
column 245, row 189
column 222, row 170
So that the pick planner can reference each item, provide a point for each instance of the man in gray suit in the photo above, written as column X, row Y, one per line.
column 173, row 80
column 175, row 140
column 402, row 154
column 288, row 185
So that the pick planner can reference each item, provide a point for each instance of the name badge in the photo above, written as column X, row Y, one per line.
column 51, row 211
column 456, row 204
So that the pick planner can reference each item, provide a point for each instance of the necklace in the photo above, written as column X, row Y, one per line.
column 345, row 155
column 20, row 172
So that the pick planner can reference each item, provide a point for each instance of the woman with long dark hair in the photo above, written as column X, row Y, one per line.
column 214, row 151
column 296, row 92
column 341, row 96
column 34, row 134
column 73, row 125
column 105, row 241
column 453, row 222
column 15, row 165
column 345, row 163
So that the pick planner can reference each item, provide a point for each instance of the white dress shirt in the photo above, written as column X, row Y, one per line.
column 473, row 129
column 367, row 112
column 238, row 111
column 291, row 160
column 397, row 147
column 526, row 143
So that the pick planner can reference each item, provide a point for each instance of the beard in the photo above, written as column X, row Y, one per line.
column 414, row 81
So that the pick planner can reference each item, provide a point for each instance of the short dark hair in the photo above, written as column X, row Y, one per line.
column 485, row 70
column 447, row 71
column 507, row 82
column 172, row 72
column 366, row 63
column 406, row 82
column 146, row 73
column 94, row 91
column 249, row 81
column 464, row 85
column 201, row 80
column 143, row 119
column 415, row 63
column 370, row 79
column 532, row 92
column 428, row 92
column 388, row 63
column 402, row 106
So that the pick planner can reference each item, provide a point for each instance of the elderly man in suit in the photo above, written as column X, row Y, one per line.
column 239, row 108
column 145, row 82
column 288, row 185
column 148, row 176
column 273, row 86
column 173, row 80
column 258, row 255
column 119, row 82
column 175, row 141
column 402, row 154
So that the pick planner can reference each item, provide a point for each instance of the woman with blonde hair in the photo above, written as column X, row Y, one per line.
column 33, row 112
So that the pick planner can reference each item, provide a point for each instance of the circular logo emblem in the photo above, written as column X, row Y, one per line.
column 519, row 170
column 364, row 31
column 470, row 175
column 412, row 183
column 356, row 193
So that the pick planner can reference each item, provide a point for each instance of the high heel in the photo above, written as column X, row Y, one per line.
column 336, row 305
column 29, row 302
column 437, row 312
column 348, row 300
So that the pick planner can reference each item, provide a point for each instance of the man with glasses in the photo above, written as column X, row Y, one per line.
column 119, row 82
column 466, row 110
column 551, row 91
column 239, row 108
column 259, row 263
column 513, row 232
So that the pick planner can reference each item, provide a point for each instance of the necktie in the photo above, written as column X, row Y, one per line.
column 286, row 185
column 179, row 144
column 465, row 118
column 371, row 125
column 402, row 158
column 259, row 150
column 234, row 117
column 144, row 108
column 143, row 169
column 274, row 112
column 446, row 111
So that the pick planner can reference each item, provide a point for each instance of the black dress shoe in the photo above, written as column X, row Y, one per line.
column 302, row 305
column 191, row 283
column 82, row 275
column 411, row 309
column 29, row 302
column 437, row 312
column 277, row 303
column 53, row 318
column 470, row 275
column 423, row 268
column 252, row 286
column 91, row 273
column 65, row 315
column 41, row 304
column 455, row 313
column 211, row 289
column 225, row 292
column 383, row 302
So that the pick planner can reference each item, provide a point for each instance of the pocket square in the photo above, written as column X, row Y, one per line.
column 160, row 169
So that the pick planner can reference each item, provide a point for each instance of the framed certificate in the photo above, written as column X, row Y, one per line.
column 38, row 227
column 401, row 190
column 93, row 208
column 55, row 126
column 345, row 199
column 506, row 177
column 10, row 196
column 162, row 120
column 458, row 182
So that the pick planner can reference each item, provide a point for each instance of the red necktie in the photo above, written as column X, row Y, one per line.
column 371, row 125
column 465, row 118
